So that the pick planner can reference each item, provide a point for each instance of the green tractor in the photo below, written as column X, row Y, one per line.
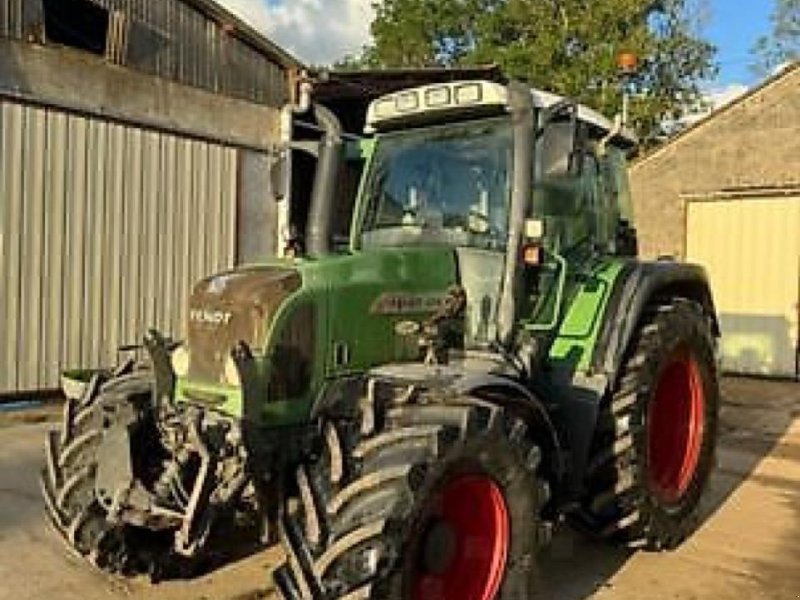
column 412, row 414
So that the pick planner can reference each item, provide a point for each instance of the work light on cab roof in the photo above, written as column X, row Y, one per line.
column 438, row 100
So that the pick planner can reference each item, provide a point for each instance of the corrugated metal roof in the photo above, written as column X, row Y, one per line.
column 247, row 33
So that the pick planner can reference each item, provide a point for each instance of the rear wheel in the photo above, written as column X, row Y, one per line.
column 418, row 499
column 654, row 449
column 68, row 480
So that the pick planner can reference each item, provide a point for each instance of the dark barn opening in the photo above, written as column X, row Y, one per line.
column 77, row 23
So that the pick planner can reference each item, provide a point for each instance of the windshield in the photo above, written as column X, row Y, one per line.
column 447, row 185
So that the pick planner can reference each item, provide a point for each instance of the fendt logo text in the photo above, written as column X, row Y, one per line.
column 210, row 317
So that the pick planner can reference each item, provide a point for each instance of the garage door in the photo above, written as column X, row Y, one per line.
column 751, row 248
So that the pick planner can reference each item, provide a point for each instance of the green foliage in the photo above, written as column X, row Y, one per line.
column 567, row 46
column 782, row 45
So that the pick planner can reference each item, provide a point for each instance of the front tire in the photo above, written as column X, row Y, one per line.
column 418, row 498
column 68, row 479
column 654, row 448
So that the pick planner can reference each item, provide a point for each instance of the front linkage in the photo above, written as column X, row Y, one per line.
column 138, row 483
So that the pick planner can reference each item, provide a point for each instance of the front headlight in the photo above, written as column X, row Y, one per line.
column 180, row 361
column 231, row 374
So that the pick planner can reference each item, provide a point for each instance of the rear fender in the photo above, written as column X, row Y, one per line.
column 646, row 283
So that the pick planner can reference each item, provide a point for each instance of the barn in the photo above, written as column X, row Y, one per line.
column 135, row 144
column 726, row 193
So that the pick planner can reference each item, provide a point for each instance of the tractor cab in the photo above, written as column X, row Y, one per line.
column 447, row 151
column 518, row 184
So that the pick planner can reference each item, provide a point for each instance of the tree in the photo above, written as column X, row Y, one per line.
column 567, row 46
column 782, row 45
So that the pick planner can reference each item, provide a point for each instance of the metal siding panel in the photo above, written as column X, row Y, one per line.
column 33, row 244
column 76, row 222
column 132, row 324
column 114, row 234
column 755, row 275
column 170, row 200
column 202, row 202
column 226, row 176
column 231, row 208
column 214, row 192
column 92, row 250
column 53, row 313
column 151, row 156
column 4, row 31
column 101, row 205
column 4, row 234
column 177, row 233
column 13, row 154
column 185, row 226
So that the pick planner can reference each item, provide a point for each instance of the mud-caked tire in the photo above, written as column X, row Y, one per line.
column 68, row 478
column 654, row 448
column 417, row 497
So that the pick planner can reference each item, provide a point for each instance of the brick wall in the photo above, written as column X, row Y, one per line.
column 752, row 144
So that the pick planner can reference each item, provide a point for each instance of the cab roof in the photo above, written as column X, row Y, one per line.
column 468, row 98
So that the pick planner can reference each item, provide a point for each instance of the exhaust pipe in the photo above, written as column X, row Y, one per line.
column 320, row 214
column 521, row 104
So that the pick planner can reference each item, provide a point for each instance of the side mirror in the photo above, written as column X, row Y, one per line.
column 278, row 175
column 562, row 143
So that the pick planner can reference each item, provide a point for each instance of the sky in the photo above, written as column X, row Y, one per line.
column 322, row 31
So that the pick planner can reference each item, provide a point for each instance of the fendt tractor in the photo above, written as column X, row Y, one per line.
column 411, row 415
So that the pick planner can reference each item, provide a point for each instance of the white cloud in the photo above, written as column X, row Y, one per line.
column 719, row 97
column 316, row 31
column 714, row 99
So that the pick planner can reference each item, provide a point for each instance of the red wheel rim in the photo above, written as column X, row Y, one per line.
column 463, row 552
column 675, row 429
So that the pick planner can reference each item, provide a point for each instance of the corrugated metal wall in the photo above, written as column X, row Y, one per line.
column 176, row 41
column 12, row 18
column 103, row 229
column 751, row 248
column 185, row 45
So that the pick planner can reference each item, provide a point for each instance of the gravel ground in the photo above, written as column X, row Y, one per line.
column 748, row 547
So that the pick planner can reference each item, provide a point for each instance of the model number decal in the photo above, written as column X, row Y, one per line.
column 398, row 303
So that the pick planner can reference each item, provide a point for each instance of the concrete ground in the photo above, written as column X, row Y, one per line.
column 748, row 546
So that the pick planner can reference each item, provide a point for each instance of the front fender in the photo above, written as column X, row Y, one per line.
column 511, row 394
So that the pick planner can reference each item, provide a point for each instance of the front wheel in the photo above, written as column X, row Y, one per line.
column 654, row 449
column 421, row 499
column 73, row 457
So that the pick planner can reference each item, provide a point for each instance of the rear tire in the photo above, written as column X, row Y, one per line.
column 68, row 479
column 654, row 448
column 417, row 498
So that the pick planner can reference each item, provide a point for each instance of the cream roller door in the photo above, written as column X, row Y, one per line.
column 751, row 249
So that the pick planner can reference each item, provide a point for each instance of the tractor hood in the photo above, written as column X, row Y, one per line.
column 233, row 307
column 313, row 321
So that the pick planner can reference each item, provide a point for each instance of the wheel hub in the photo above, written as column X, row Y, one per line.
column 464, row 549
column 440, row 546
column 676, row 424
